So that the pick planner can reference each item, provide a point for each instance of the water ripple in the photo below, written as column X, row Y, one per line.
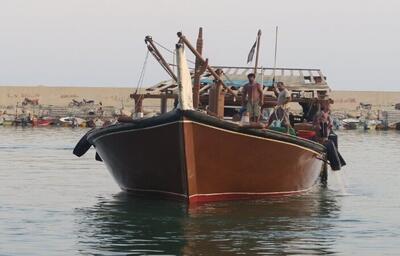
column 52, row 203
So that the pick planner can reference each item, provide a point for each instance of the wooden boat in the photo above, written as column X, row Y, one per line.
column 350, row 123
column 22, row 121
column 8, row 122
column 190, row 155
column 72, row 121
column 44, row 122
column 194, row 156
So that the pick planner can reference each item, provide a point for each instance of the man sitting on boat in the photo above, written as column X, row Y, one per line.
column 323, row 123
column 253, row 98
column 323, row 126
column 281, row 112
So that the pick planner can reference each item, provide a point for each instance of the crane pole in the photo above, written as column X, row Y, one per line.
column 156, row 53
column 198, row 55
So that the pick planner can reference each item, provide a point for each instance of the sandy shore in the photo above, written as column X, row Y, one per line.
column 62, row 96
column 118, row 97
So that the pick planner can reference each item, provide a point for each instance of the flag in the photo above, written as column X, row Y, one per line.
column 251, row 53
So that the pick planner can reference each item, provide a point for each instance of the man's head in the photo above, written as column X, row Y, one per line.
column 280, row 86
column 251, row 77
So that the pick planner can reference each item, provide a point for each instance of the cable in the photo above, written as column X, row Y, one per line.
column 142, row 73
column 170, row 51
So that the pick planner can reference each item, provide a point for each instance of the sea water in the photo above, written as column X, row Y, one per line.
column 53, row 203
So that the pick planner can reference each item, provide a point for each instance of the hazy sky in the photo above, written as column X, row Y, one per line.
column 100, row 42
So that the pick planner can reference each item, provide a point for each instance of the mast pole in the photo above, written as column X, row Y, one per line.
column 257, row 52
column 276, row 49
column 205, row 62
column 197, row 70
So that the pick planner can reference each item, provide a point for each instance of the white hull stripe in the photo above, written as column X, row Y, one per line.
column 211, row 127
column 252, row 193
column 218, row 194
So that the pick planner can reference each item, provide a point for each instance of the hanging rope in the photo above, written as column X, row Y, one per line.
column 141, row 79
column 142, row 73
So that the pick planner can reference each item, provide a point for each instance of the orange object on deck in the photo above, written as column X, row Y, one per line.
column 306, row 134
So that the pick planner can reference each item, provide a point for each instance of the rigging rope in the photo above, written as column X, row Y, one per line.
column 142, row 73
column 141, row 79
column 170, row 51
column 165, row 48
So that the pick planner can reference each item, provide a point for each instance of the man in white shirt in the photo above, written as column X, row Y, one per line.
column 281, row 111
column 282, row 94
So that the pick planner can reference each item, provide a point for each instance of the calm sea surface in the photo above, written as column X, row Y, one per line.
column 52, row 203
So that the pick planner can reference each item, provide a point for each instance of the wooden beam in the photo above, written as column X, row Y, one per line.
column 152, row 47
column 198, row 55
column 164, row 101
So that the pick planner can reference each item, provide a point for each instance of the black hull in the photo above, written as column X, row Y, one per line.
column 147, row 157
column 146, row 162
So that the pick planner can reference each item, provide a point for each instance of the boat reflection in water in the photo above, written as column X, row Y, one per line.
column 303, row 224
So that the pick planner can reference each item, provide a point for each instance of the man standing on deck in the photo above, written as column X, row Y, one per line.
column 253, row 98
column 281, row 110
column 282, row 94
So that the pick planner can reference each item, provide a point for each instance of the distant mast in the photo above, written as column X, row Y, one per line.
column 197, row 70
column 276, row 49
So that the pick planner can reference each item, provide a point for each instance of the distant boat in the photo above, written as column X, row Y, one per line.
column 22, row 121
column 370, row 124
column 45, row 121
column 98, row 122
column 350, row 123
column 8, row 120
column 72, row 121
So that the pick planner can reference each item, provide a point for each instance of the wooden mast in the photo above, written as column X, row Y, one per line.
column 257, row 52
column 197, row 70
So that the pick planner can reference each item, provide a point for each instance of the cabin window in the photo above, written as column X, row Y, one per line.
column 317, row 79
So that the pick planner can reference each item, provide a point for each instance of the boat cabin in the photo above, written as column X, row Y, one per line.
column 308, row 87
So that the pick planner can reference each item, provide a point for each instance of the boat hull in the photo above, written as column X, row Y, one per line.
column 197, row 161
column 146, row 161
column 225, row 164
